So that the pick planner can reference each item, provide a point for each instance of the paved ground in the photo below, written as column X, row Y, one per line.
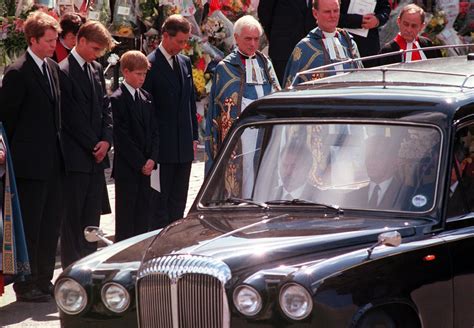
column 16, row 314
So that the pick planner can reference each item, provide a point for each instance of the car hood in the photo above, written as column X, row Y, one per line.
column 243, row 240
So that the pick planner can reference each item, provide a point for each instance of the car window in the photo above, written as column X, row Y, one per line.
column 360, row 166
column 461, row 189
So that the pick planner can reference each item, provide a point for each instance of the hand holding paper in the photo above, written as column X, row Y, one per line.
column 362, row 7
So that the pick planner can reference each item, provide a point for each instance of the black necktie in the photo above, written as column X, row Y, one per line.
column 88, row 72
column 138, row 106
column 374, row 199
column 45, row 74
column 176, row 68
column 136, row 96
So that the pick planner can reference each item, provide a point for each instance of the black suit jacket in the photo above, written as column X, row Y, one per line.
column 371, row 44
column 87, row 117
column 393, row 46
column 32, row 117
column 394, row 198
column 175, row 108
column 462, row 198
column 135, row 134
column 285, row 23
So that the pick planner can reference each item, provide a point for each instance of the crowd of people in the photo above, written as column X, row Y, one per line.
column 60, row 122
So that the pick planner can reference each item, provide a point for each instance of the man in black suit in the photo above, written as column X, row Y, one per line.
column 385, row 190
column 410, row 22
column 369, row 45
column 136, row 148
column 461, row 189
column 170, row 83
column 294, row 170
column 30, row 109
column 285, row 23
column 87, row 138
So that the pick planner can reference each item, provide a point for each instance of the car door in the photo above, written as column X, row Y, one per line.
column 460, row 222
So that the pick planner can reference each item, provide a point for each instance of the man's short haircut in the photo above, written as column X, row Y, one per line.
column 316, row 4
column 134, row 60
column 174, row 24
column 247, row 21
column 413, row 9
column 94, row 31
column 36, row 25
column 70, row 23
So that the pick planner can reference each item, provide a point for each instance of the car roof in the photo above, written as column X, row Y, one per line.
column 435, row 91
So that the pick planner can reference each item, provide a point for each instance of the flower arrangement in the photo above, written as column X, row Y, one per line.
column 199, row 61
column 436, row 24
column 12, row 40
column 148, row 12
column 234, row 9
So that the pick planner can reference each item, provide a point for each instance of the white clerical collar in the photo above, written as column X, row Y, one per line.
column 329, row 34
column 244, row 55
column 37, row 60
column 81, row 61
column 130, row 89
column 165, row 53
column 253, row 71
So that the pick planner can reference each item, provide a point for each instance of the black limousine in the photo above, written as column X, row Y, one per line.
column 342, row 202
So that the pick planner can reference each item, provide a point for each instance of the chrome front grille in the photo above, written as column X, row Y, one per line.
column 155, row 298
column 183, row 291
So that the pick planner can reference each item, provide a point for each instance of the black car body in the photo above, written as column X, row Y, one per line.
column 248, row 255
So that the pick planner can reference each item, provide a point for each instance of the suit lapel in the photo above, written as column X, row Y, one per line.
column 391, row 196
column 77, row 72
column 181, row 69
column 165, row 69
column 95, row 86
column 133, row 106
column 56, row 94
column 40, row 78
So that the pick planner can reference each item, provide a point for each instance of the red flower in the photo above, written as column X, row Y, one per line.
column 201, row 64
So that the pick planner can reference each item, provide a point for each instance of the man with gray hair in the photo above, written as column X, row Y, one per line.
column 240, row 78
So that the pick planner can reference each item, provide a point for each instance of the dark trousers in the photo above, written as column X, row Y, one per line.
column 133, row 210
column 41, row 205
column 83, row 206
column 171, row 201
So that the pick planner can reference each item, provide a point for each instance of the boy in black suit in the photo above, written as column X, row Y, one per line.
column 136, row 148
column 88, row 135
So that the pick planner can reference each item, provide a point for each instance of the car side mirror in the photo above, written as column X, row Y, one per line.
column 391, row 238
column 93, row 234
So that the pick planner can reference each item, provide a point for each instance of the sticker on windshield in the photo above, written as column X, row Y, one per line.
column 419, row 200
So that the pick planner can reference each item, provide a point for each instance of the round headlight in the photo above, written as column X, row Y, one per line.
column 70, row 296
column 247, row 300
column 115, row 297
column 295, row 301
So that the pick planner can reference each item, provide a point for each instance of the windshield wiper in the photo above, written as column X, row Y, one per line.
column 297, row 201
column 238, row 201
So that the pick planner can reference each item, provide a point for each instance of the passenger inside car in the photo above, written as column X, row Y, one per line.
column 461, row 189
column 295, row 157
column 385, row 189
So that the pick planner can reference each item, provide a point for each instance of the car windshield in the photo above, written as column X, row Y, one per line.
column 356, row 166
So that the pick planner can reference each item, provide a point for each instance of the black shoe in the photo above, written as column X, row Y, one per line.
column 48, row 289
column 33, row 295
